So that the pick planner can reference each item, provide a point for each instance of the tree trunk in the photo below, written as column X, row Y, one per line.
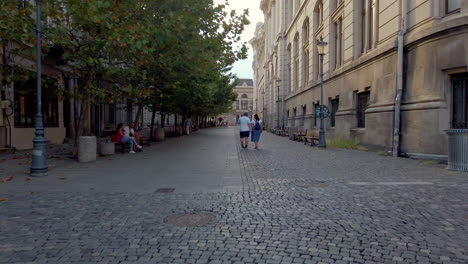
column 72, row 122
column 184, row 117
column 139, row 113
column 163, row 119
column 153, row 116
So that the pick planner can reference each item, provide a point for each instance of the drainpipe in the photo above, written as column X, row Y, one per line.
column 400, row 84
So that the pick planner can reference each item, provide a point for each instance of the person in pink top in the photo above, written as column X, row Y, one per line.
column 120, row 137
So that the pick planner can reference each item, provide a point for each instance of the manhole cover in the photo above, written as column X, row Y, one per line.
column 165, row 190
column 311, row 184
column 188, row 220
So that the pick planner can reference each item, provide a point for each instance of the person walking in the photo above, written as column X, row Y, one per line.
column 244, row 122
column 256, row 130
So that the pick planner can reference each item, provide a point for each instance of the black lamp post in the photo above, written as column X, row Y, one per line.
column 39, row 165
column 278, row 82
column 321, row 45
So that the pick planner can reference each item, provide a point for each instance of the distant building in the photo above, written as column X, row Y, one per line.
column 244, row 103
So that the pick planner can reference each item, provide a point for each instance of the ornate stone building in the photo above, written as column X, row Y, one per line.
column 244, row 103
column 395, row 72
column 258, row 44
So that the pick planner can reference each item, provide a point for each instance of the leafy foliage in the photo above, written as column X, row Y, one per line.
column 175, row 54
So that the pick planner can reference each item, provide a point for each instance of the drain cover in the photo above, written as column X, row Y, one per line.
column 188, row 220
column 311, row 184
column 165, row 190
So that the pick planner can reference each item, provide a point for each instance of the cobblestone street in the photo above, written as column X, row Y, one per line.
column 203, row 199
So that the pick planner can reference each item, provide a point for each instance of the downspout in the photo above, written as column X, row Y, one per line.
column 400, row 84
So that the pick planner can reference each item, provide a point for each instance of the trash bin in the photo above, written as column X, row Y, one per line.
column 107, row 148
column 87, row 149
column 458, row 149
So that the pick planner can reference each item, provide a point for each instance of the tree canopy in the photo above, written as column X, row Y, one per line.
column 173, row 53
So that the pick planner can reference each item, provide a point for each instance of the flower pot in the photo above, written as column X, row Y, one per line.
column 107, row 148
column 87, row 149
column 159, row 134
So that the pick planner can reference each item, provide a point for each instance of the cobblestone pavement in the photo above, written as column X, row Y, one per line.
column 295, row 204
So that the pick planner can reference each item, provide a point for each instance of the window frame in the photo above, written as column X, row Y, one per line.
column 361, row 111
column 463, row 82
column 333, row 111
column 448, row 12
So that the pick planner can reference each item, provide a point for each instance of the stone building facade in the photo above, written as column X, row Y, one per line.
column 244, row 103
column 395, row 71
column 258, row 44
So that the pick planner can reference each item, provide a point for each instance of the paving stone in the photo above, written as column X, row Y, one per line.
column 296, row 205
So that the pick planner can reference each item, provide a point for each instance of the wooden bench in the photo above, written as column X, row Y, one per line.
column 119, row 145
column 299, row 136
column 311, row 138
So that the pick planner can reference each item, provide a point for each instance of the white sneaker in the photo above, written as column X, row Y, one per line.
column 139, row 147
column 132, row 152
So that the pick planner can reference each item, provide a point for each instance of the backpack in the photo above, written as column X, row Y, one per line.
column 257, row 126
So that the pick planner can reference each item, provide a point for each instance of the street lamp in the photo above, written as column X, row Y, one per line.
column 39, row 165
column 278, row 83
column 321, row 45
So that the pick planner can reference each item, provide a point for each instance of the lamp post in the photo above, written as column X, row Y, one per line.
column 278, row 82
column 321, row 45
column 39, row 165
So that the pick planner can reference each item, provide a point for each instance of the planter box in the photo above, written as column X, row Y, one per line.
column 107, row 148
column 159, row 134
column 87, row 149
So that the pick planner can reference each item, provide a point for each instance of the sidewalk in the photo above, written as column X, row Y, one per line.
column 203, row 199
column 175, row 161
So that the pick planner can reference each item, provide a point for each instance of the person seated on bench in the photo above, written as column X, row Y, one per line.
column 130, row 132
column 121, row 138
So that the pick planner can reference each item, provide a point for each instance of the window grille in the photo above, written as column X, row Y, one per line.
column 362, row 104
column 460, row 101
column 334, row 108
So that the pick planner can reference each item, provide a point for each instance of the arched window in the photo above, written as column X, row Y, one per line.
column 318, row 15
column 244, row 96
column 305, row 31
column 305, row 52
column 296, row 62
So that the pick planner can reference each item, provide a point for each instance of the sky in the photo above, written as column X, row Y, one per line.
column 243, row 69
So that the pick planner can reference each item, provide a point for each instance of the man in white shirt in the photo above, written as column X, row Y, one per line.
column 244, row 123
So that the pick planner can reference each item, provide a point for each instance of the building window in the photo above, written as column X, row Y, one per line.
column 453, row 6
column 316, row 113
column 362, row 104
column 294, row 117
column 368, row 24
column 363, row 26
column 304, row 109
column 460, row 101
column 334, row 108
column 306, row 67
column 244, row 104
column 305, row 52
column 237, row 105
column 25, row 101
column 296, row 63
column 338, row 25
column 318, row 15
column 372, row 23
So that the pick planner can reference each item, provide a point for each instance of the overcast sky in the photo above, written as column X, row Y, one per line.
column 243, row 69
